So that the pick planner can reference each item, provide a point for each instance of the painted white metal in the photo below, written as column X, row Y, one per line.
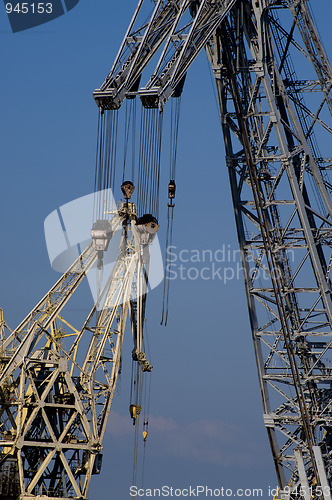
column 56, row 388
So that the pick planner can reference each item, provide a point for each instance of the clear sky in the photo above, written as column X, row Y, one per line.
column 206, row 423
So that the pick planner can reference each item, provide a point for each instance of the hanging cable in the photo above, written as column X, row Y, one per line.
column 175, row 119
column 126, row 134
column 168, row 261
column 105, row 163
column 145, row 435
column 135, row 410
column 101, row 230
column 133, row 142
column 149, row 161
column 129, row 138
column 140, row 392
column 147, row 394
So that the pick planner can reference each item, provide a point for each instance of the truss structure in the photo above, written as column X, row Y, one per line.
column 273, row 81
column 57, row 382
column 283, row 211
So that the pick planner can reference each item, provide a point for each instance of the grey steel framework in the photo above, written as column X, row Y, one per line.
column 266, row 58
column 57, row 382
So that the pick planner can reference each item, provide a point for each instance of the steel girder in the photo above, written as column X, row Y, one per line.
column 283, row 215
column 185, row 26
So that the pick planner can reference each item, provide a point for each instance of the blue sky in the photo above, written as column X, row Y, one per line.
column 206, row 423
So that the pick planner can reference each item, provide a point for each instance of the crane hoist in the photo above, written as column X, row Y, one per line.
column 273, row 81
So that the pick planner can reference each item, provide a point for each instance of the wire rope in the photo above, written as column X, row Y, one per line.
column 106, row 155
column 149, row 161
column 175, row 119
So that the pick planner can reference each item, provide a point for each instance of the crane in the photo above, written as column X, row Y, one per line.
column 273, row 82
column 57, row 387
column 280, row 192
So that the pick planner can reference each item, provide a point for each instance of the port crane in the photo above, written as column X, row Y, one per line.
column 273, row 81
column 56, row 387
